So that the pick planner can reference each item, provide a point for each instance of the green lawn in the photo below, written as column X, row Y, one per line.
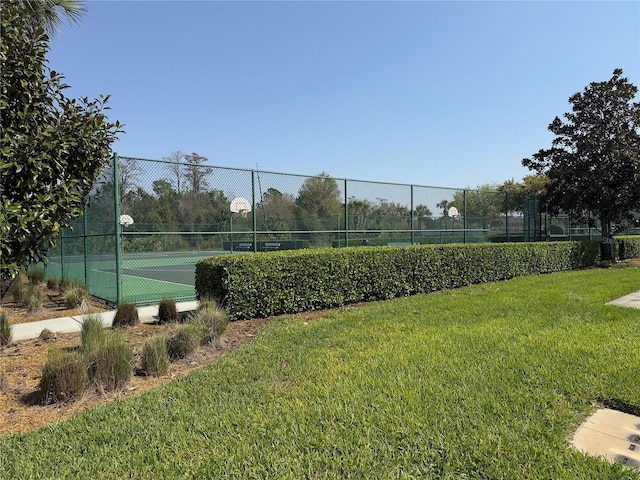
column 484, row 382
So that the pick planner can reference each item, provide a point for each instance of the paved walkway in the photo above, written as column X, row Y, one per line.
column 25, row 331
column 632, row 300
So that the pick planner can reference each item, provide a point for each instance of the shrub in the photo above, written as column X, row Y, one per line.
column 74, row 296
column 155, row 358
column 35, row 275
column 69, row 283
column 53, row 282
column 5, row 329
column 210, row 320
column 167, row 311
column 112, row 362
column 64, row 377
column 47, row 334
column 33, row 300
column 65, row 283
column 126, row 315
column 302, row 280
column 183, row 341
column 92, row 335
column 18, row 290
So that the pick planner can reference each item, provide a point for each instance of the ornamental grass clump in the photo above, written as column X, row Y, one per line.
column 74, row 296
column 183, row 341
column 19, row 290
column 211, row 320
column 6, row 334
column 33, row 299
column 47, row 335
column 126, row 315
column 111, row 364
column 35, row 275
column 64, row 377
column 92, row 335
column 167, row 311
column 155, row 358
column 53, row 282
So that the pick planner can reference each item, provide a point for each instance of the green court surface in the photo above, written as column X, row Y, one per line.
column 146, row 277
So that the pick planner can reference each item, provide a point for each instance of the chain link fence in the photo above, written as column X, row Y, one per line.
column 147, row 222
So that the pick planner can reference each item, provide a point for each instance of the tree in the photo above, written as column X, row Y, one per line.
column 277, row 204
column 47, row 12
column 444, row 205
column 593, row 164
column 320, row 196
column 483, row 202
column 196, row 174
column 130, row 172
column 422, row 211
column 359, row 212
column 53, row 148
column 175, row 170
column 516, row 193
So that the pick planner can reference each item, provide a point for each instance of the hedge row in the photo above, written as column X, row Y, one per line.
column 628, row 246
column 294, row 281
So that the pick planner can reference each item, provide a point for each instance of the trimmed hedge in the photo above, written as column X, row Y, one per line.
column 294, row 281
column 628, row 246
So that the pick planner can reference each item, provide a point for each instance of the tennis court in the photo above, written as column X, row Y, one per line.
column 146, row 277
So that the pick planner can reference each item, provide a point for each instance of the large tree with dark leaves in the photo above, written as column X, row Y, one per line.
column 53, row 148
column 593, row 164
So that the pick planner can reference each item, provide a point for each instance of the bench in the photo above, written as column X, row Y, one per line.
column 398, row 244
column 270, row 246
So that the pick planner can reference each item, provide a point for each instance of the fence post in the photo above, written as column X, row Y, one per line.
column 346, row 216
column 62, row 253
column 413, row 230
column 118, row 228
column 85, row 244
column 464, row 213
column 569, row 225
column 506, row 214
column 253, row 212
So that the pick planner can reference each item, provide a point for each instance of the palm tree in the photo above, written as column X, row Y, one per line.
column 49, row 13
column 444, row 205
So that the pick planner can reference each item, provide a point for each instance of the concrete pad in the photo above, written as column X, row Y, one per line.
column 612, row 435
column 632, row 301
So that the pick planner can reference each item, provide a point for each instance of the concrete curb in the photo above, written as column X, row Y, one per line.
column 29, row 330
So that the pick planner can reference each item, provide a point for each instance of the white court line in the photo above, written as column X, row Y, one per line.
column 147, row 278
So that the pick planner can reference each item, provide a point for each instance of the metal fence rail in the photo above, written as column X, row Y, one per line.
column 181, row 212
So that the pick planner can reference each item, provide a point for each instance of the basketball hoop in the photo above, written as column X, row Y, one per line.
column 240, row 205
column 126, row 220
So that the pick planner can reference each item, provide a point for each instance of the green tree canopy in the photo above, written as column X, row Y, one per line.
column 47, row 13
column 519, row 192
column 483, row 202
column 594, row 161
column 320, row 196
column 53, row 148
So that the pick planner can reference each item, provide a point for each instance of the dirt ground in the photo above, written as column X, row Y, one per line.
column 21, row 363
column 53, row 306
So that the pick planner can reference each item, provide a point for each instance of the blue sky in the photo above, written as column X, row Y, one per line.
column 447, row 93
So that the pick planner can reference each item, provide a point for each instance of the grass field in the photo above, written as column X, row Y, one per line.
column 484, row 382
